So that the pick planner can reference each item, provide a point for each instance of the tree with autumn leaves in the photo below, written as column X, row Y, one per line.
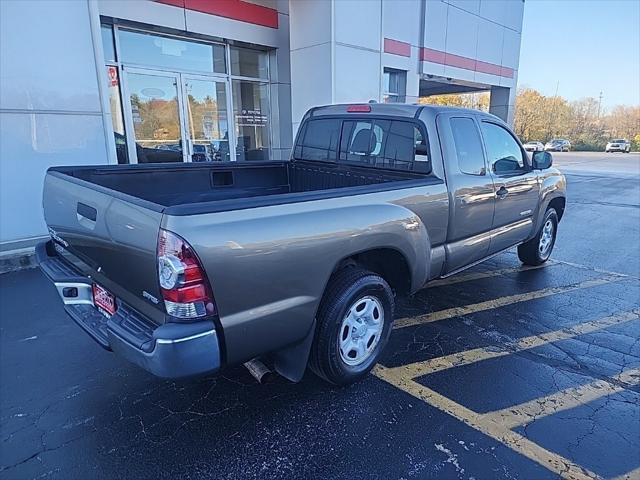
column 540, row 118
column 582, row 122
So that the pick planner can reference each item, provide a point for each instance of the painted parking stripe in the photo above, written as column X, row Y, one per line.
column 567, row 399
column 419, row 369
column 552, row 461
column 501, row 302
column 468, row 277
column 593, row 269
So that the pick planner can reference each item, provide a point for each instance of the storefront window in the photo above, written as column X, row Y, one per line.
column 207, row 120
column 394, row 85
column 117, row 119
column 156, row 118
column 172, row 53
column 107, row 43
column 248, row 63
column 185, row 100
column 251, row 113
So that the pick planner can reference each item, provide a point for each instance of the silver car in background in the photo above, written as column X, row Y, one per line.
column 533, row 146
column 618, row 145
column 558, row 145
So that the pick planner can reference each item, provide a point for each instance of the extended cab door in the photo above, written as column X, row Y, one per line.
column 516, row 186
column 471, row 190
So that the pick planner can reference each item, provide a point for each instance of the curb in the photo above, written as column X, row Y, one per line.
column 16, row 260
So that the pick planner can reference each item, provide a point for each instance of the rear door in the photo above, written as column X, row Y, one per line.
column 114, row 239
column 471, row 190
column 515, row 183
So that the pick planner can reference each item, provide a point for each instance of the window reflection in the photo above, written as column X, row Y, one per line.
column 107, row 43
column 248, row 63
column 156, row 121
column 208, row 123
column 251, row 112
column 172, row 53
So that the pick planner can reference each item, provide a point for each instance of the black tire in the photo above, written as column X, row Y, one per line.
column 529, row 252
column 345, row 288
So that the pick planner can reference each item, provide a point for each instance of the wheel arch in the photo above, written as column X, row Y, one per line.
column 388, row 262
column 559, row 204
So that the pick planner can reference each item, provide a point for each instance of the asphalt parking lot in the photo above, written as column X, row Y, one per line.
column 499, row 372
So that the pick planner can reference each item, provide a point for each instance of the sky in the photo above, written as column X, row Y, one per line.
column 584, row 47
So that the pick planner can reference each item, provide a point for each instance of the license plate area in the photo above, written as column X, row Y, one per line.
column 104, row 300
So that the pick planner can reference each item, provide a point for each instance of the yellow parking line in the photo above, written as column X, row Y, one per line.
column 419, row 369
column 593, row 269
column 573, row 397
column 552, row 461
column 467, row 277
column 501, row 302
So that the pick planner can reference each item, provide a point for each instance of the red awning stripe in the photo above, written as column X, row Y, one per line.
column 234, row 9
column 444, row 58
column 396, row 47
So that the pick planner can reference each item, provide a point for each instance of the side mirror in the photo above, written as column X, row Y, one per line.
column 541, row 160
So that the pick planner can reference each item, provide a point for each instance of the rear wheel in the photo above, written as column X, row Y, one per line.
column 353, row 326
column 538, row 250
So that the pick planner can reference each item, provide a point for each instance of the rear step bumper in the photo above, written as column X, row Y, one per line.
column 171, row 350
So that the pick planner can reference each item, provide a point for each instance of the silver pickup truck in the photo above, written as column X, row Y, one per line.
column 186, row 268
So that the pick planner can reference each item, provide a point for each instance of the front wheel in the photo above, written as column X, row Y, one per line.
column 353, row 326
column 538, row 250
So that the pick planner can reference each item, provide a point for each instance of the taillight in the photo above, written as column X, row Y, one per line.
column 183, row 282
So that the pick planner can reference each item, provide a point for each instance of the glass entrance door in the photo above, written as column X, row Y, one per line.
column 178, row 117
column 206, row 119
column 154, row 106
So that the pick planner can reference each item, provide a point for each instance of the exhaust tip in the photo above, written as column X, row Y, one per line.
column 259, row 371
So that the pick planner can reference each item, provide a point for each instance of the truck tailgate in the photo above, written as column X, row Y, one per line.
column 115, row 238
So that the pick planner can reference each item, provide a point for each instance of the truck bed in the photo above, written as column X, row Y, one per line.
column 198, row 188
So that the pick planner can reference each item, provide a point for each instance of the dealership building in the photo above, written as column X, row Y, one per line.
column 142, row 81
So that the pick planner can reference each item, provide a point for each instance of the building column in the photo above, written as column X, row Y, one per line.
column 502, row 103
column 334, row 59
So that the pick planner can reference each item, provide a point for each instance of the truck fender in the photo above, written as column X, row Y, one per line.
column 553, row 188
column 412, row 242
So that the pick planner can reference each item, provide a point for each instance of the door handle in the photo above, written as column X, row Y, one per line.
column 502, row 192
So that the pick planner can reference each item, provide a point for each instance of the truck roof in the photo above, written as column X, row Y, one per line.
column 395, row 109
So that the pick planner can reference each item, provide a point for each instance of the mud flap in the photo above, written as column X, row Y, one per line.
column 291, row 362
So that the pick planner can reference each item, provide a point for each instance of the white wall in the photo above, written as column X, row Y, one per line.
column 311, row 56
column 50, row 106
column 484, row 30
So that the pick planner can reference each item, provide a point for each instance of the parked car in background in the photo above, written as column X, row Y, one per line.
column 534, row 146
column 187, row 268
column 619, row 145
column 558, row 145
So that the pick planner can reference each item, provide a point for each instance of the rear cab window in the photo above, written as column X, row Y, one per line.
column 372, row 142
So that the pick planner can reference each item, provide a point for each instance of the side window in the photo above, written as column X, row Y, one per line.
column 505, row 155
column 468, row 146
column 318, row 140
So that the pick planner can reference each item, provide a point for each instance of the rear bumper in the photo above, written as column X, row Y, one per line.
column 171, row 350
